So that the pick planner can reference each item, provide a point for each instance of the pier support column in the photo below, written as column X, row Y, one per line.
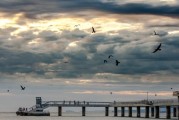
column 59, row 110
column 146, row 111
column 138, row 111
column 130, row 111
column 168, row 112
column 106, row 111
column 83, row 111
column 122, row 111
column 174, row 112
column 152, row 111
column 115, row 111
column 157, row 111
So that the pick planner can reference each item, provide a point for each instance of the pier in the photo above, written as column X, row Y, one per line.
column 151, row 107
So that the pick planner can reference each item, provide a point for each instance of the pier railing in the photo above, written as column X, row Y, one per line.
column 75, row 103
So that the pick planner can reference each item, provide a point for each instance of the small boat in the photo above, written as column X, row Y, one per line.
column 36, row 112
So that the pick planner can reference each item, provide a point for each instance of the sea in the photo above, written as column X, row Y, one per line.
column 75, row 116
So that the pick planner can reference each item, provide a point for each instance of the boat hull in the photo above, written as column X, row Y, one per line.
column 26, row 113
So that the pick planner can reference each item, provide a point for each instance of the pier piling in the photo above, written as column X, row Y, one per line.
column 83, row 111
column 115, row 111
column 59, row 111
column 122, row 111
column 106, row 111
column 130, row 111
column 168, row 112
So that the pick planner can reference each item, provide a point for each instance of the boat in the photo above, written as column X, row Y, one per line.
column 35, row 112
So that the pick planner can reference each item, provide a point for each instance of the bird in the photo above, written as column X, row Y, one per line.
column 22, row 88
column 171, row 88
column 110, row 56
column 117, row 62
column 7, row 90
column 93, row 31
column 158, row 48
column 77, row 25
column 105, row 61
column 111, row 93
column 155, row 94
column 155, row 33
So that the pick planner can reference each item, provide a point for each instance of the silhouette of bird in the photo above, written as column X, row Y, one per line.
column 105, row 61
column 22, row 88
column 117, row 62
column 93, row 31
column 155, row 33
column 110, row 56
column 158, row 48
column 171, row 88
column 7, row 90
column 77, row 25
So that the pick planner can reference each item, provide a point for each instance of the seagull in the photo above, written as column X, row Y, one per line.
column 158, row 48
column 93, row 31
column 22, row 88
column 105, row 61
column 110, row 56
column 77, row 25
column 155, row 33
column 117, row 62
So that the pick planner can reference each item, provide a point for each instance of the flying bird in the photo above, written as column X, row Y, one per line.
column 155, row 33
column 110, row 56
column 77, row 25
column 22, row 87
column 7, row 90
column 117, row 62
column 105, row 61
column 93, row 31
column 158, row 48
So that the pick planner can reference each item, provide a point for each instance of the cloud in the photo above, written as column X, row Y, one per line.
column 33, row 9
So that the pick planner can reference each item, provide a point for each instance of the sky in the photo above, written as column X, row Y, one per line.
column 48, row 47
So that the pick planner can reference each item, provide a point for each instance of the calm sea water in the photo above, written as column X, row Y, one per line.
column 71, row 116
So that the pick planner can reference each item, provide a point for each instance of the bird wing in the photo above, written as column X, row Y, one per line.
column 159, row 46
column 154, row 32
column 155, row 50
column 110, row 56
column 93, row 29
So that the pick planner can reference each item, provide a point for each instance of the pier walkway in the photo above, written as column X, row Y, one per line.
column 152, row 107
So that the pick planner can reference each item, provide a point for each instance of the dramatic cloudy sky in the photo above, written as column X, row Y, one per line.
column 48, row 46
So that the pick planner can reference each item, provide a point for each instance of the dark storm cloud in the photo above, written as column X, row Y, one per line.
column 25, row 62
column 31, row 8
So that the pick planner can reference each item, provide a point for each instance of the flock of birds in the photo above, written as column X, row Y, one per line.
column 109, row 57
column 117, row 62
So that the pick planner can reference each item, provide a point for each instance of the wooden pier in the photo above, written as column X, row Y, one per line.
column 152, row 107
